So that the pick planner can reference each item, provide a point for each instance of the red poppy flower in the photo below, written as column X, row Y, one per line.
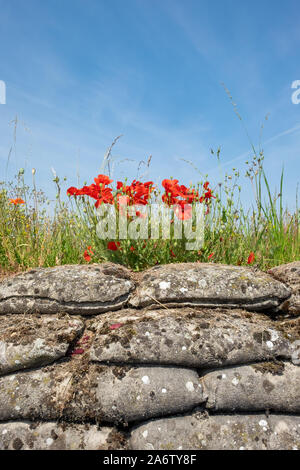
column 16, row 201
column 87, row 253
column 97, row 191
column 113, row 246
column 251, row 258
column 102, row 179
column 136, row 193
column 211, row 255
column 140, row 215
column 72, row 191
column 183, row 211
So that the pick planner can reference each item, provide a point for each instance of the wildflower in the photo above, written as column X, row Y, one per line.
column 132, row 248
column 211, row 255
column 183, row 211
column 102, row 179
column 140, row 215
column 16, row 201
column 113, row 246
column 87, row 254
column 97, row 191
column 172, row 254
column 136, row 194
column 174, row 191
column 251, row 258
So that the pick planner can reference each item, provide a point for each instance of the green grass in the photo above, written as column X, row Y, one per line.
column 31, row 235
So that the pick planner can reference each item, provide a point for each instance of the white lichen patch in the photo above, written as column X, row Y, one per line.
column 146, row 379
column 164, row 285
column 145, row 434
column 190, row 386
column 274, row 335
column 263, row 423
column 270, row 344
column 202, row 283
column 235, row 381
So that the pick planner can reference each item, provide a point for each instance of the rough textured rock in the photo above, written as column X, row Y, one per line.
column 77, row 392
column 38, row 394
column 188, row 337
column 290, row 275
column 202, row 340
column 73, row 289
column 53, row 436
column 209, row 285
column 263, row 386
column 227, row 432
column 31, row 341
column 128, row 394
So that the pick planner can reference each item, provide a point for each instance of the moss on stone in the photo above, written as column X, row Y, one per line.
column 274, row 368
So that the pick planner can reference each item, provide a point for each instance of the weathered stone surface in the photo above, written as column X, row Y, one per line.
column 53, row 436
column 188, row 337
column 134, row 394
column 76, row 289
column 263, row 386
column 209, row 285
column 38, row 394
column 78, row 392
column 31, row 341
column 290, row 275
column 221, row 432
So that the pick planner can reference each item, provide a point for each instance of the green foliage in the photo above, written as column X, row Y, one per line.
column 32, row 235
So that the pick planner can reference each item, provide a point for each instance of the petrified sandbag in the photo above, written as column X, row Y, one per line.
column 31, row 341
column 74, row 289
column 221, row 432
column 188, row 337
column 54, row 436
column 128, row 394
column 264, row 386
column 37, row 394
column 290, row 275
column 208, row 285
column 76, row 391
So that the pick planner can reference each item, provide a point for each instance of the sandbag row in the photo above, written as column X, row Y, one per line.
column 98, row 288
column 78, row 392
column 185, row 337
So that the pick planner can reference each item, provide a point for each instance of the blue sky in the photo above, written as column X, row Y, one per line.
column 81, row 72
